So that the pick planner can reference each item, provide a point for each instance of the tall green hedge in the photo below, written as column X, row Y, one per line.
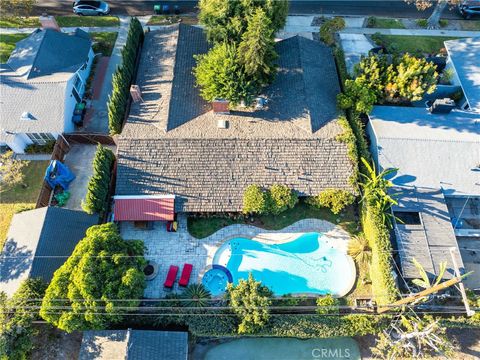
column 99, row 183
column 123, row 77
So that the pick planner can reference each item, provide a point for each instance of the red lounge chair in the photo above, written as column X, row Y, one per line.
column 171, row 276
column 185, row 277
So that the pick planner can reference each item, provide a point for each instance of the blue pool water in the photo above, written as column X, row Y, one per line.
column 216, row 280
column 308, row 264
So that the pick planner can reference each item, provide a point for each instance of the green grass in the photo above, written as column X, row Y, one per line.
column 98, row 21
column 470, row 25
column 381, row 23
column 416, row 45
column 7, row 44
column 18, row 198
column 203, row 227
column 103, row 42
column 63, row 21
column 168, row 20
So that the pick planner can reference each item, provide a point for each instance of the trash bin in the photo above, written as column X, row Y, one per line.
column 157, row 9
column 166, row 9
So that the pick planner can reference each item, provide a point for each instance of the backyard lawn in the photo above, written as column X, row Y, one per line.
column 103, row 42
column 168, row 20
column 203, row 227
column 416, row 45
column 7, row 44
column 380, row 23
column 63, row 21
column 21, row 197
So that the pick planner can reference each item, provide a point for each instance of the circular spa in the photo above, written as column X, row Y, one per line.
column 216, row 279
column 313, row 263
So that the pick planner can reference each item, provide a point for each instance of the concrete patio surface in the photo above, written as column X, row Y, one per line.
column 168, row 248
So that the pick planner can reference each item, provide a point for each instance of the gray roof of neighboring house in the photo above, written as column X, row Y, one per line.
column 465, row 55
column 134, row 345
column 301, row 100
column 171, row 142
column 34, row 80
column 429, row 242
column 211, row 174
column 34, row 234
column 431, row 150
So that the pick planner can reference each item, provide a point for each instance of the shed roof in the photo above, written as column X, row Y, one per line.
column 144, row 208
column 431, row 150
column 33, row 235
column 464, row 55
column 134, row 345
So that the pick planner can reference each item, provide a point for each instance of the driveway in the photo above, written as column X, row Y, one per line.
column 354, row 47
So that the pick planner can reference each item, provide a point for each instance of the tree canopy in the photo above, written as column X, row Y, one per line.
column 102, row 269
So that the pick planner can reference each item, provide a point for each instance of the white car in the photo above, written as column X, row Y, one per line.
column 91, row 8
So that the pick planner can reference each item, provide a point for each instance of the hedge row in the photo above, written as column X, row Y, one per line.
column 123, row 77
column 99, row 183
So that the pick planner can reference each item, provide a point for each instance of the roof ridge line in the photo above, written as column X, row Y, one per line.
column 39, row 47
column 300, row 57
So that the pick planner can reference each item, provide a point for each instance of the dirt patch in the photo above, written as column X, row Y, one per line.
column 54, row 344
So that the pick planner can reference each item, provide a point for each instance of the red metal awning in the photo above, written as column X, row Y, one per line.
column 144, row 208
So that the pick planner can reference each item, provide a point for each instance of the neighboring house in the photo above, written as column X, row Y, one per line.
column 134, row 345
column 438, row 181
column 176, row 144
column 40, row 84
column 38, row 243
column 463, row 59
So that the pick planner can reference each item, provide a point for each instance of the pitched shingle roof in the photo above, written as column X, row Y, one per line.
column 211, row 174
column 134, row 345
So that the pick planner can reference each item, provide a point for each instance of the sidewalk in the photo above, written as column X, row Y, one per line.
column 64, row 29
column 411, row 32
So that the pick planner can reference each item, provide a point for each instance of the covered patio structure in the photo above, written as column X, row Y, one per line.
column 143, row 210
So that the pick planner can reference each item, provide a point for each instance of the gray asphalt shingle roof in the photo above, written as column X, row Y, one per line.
column 464, row 55
column 134, row 345
column 171, row 143
column 48, row 231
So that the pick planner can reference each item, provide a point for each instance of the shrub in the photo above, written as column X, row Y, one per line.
column 371, row 22
column 102, row 266
column 329, row 28
column 356, row 97
column 16, row 330
column 195, row 295
column 280, row 198
column 348, row 137
column 250, row 300
column 99, row 183
column 47, row 148
column 254, row 200
column 327, row 305
column 422, row 23
column 443, row 23
column 334, row 199
column 122, row 78
column 359, row 249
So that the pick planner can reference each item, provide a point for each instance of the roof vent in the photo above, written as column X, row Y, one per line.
column 27, row 116
column 442, row 106
column 220, row 106
column 222, row 124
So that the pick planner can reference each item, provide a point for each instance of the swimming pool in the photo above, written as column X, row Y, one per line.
column 309, row 264
column 216, row 279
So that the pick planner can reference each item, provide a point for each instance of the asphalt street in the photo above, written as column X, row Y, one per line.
column 390, row 8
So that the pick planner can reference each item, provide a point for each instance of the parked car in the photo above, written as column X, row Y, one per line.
column 91, row 8
column 469, row 9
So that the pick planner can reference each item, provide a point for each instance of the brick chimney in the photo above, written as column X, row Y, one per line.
column 48, row 22
column 220, row 106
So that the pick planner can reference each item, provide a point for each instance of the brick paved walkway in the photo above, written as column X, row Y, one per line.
column 179, row 248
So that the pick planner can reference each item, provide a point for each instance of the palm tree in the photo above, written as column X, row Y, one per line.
column 424, row 281
column 359, row 250
column 195, row 295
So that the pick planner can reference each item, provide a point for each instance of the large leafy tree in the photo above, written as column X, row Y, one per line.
column 18, row 7
column 250, row 300
column 257, row 49
column 220, row 75
column 11, row 170
column 103, row 269
column 371, row 72
column 16, row 316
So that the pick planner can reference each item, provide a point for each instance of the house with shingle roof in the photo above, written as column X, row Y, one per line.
column 175, row 143
column 40, row 84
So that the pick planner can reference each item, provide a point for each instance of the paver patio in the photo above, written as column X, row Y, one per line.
column 179, row 248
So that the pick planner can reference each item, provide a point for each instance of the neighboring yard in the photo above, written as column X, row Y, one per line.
column 7, row 44
column 473, row 25
column 168, row 20
column 203, row 227
column 63, row 21
column 381, row 23
column 103, row 42
column 21, row 197
column 416, row 45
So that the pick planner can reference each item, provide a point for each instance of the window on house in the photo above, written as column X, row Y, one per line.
column 40, row 138
column 78, row 83
column 76, row 95
column 407, row 217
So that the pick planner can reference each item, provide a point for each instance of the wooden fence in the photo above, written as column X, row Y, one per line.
column 89, row 138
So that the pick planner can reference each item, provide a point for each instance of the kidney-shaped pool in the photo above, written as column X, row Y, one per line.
column 309, row 264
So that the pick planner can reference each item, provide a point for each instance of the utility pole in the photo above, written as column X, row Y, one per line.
column 423, row 293
column 470, row 312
